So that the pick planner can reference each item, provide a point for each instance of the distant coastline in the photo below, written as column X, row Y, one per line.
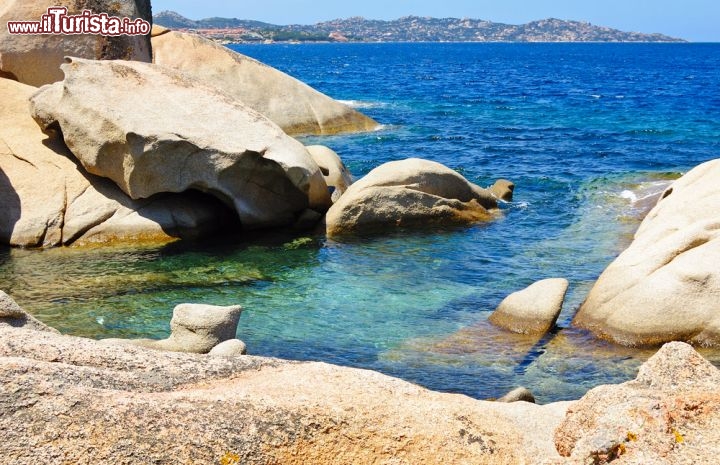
column 406, row 29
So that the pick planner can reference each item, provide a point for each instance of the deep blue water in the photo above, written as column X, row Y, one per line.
column 582, row 129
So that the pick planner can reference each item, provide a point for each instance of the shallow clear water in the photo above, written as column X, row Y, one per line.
column 586, row 131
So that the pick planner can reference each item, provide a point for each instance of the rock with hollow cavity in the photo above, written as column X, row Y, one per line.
column 337, row 176
column 165, row 132
column 666, row 285
column 412, row 192
column 534, row 310
column 669, row 414
column 35, row 59
column 48, row 200
column 11, row 314
column 291, row 104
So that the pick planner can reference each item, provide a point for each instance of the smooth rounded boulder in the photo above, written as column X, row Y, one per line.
column 293, row 105
column 151, row 130
column 408, row 193
column 666, row 285
column 337, row 176
column 533, row 310
column 48, row 200
column 35, row 59
column 195, row 328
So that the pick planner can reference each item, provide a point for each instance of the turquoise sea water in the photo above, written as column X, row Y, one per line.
column 586, row 131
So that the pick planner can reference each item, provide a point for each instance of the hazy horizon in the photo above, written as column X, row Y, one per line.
column 693, row 20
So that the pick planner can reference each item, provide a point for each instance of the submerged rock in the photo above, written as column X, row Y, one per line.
column 195, row 328
column 293, row 105
column 412, row 192
column 68, row 397
column 35, row 59
column 47, row 200
column 534, row 310
column 337, row 176
column 666, row 285
column 165, row 132
column 11, row 314
column 668, row 414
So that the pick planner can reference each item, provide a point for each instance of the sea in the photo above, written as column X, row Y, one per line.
column 589, row 133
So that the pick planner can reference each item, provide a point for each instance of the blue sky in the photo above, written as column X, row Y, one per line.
column 695, row 20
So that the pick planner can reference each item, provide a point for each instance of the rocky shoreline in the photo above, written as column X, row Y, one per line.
column 174, row 137
column 74, row 400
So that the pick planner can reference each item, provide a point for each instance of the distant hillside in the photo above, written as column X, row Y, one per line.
column 408, row 29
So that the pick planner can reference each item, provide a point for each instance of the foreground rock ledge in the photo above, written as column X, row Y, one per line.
column 75, row 400
column 670, row 414
column 666, row 285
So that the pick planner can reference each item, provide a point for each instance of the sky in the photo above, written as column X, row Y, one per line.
column 694, row 20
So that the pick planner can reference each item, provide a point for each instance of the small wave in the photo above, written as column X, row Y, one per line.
column 596, row 96
column 100, row 320
column 362, row 104
column 518, row 205
column 646, row 191
column 630, row 195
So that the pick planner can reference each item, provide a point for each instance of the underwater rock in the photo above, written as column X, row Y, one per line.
column 533, row 310
column 291, row 104
column 411, row 192
column 665, row 285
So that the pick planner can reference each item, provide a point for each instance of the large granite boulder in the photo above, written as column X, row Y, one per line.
column 669, row 414
column 85, row 401
column 293, row 105
column 36, row 59
column 533, row 310
column 47, row 200
column 151, row 130
column 408, row 193
column 666, row 285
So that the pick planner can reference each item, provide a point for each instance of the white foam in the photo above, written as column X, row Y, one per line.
column 362, row 104
column 630, row 195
